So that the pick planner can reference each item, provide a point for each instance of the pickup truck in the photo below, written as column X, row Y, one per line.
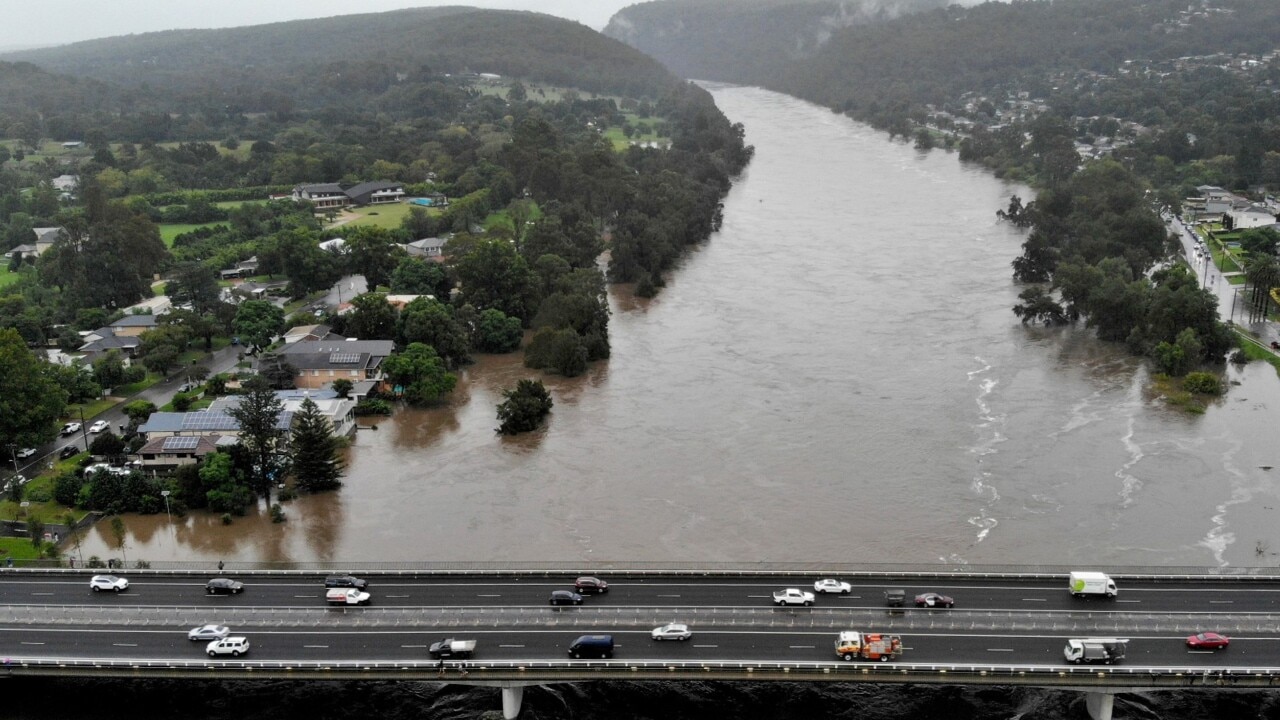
column 450, row 648
column 346, row 596
column 793, row 596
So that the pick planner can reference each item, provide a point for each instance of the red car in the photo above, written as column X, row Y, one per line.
column 932, row 599
column 1208, row 640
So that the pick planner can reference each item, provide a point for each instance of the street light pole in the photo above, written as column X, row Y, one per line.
column 165, row 494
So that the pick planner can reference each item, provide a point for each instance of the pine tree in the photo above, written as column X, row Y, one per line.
column 259, row 415
column 316, row 465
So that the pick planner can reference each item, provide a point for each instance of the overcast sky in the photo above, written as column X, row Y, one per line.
column 25, row 23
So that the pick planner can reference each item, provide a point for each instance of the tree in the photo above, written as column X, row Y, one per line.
column 497, row 333
column 524, row 407
column 1039, row 306
column 493, row 275
column 316, row 464
column 258, row 415
column 220, row 483
column 257, row 322
column 31, row 402
column 277, row 372
column 432, row 322
column 73, row 531
column 160, row 359
column 119, row 534
column 415, row 276
column 373, row 318
column 421, row 373
column 107, row 445
column 342, row 386
column 139, row 410
column 195, row 283
column 373, row 253
column 109, row 370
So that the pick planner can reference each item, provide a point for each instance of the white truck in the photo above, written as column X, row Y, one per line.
column 851, row 645
column 1091, row 583
column 346, row 596
column 1095, row 650
column 451, row 648
column 793, row 596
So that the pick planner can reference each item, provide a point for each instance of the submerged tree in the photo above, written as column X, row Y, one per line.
column 316, row 465
column 524, row 407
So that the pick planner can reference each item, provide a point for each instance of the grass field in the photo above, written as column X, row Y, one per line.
column 170, row 231
column 386, row 216
column 7, row 278
column 621, row 141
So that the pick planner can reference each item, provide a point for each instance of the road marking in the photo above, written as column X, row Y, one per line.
column 315, row 646
column 759, row 596
column 999, row 649
column 24, row 642
column 1128, row 601
column 125, row 644
column 1035, row 599
column 668, row 596
column 306, row 596
column 395, row 596
column 511, row 646
column 482, row 596
column 707, row 646
column 413, row 646
column 1221, row 602
column 1199, row 652
column 803, row 647
column 41, row 593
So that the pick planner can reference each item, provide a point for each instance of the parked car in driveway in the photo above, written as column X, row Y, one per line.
column 98, row 583
column 233, row 646
column 99, row 426
column 223, row 586
column 208, row 632
column 1208, row 641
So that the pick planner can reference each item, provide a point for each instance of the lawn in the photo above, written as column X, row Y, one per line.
column 387, row 216
column 1255, row 350
column 7, row 278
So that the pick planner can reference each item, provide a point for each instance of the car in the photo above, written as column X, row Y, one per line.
column 99, row 426
column 345, row 581
column 25, row 453
column 233, row 646
column 70, row 428
column 69, row 451
column 588, row 584
column 208, row 632
column 565, row 597
column 98, row 583
column 672, row 631
column 932, row 599
column 186, row 387
column 830, row 585
column 1208, row 641
column 223, row 586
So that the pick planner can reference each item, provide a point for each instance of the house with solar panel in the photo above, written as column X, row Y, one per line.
column 340, row 412
column 320, row 362
column 168, row 453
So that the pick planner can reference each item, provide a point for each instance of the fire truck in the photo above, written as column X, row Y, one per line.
column 852, row 645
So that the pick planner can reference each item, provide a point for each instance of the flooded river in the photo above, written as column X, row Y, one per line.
column 835, row 376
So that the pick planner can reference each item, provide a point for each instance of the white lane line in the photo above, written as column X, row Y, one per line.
column 999, row 649
column 306, row 596
column 1221, row 602
column 315, row 646
column 1199, row 652
column 1128, row 601
column 24, row 642
column 511, row 646
column 850, row 597
column 1035, row 599
column 488, row 596
column 803, row 647
column 395, row 596
column 707, row 646
column 668, row 596
column 413, row 646
column 759, row 596
column 41, row 593
column 125, row 644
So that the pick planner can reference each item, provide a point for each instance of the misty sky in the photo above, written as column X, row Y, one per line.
column 25, row 23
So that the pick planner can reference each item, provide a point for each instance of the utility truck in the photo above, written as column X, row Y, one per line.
column 1095, row 650
column 853, row 645
column 792, row 596
column 346, row 596
column 1082, row 584
column 451, row 648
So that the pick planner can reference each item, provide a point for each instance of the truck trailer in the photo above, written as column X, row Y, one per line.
column 1082, row 584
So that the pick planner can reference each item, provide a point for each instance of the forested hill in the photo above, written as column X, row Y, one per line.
column 332, row 60
column 747, row 40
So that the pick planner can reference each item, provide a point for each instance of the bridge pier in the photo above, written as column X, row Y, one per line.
column 513, row 696
column 1098, row 702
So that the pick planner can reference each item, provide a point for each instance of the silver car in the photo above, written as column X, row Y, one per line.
column 208, row 632
column 672, row 631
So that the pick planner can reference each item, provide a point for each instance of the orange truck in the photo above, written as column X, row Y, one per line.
column 851, row 645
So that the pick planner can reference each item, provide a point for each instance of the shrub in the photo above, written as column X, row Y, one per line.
column 373, row 406
column 277, row 513
column 1203, row 383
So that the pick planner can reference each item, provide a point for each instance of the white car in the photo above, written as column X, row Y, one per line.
column 208, row 632
column 25, row 453
column 99, row 426
column 69, row 428
column 233, row 646
column 829, row 585
column 108, row 582
column 672, row 631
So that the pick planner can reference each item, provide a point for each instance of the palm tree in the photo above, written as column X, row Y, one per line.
column 1262, row 271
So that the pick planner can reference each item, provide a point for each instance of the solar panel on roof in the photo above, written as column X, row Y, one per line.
column 181, row 443
column 343, row 358
column 208, row 421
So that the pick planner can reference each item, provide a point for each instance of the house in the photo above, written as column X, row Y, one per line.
column 44, row 239
column 202, row 423
column 339, row 412
column 376, row 193
column 399, row 301
column 153, row 306
column 167, row 453
column 320, row 362
column 1251, row 216
column 336, row 245
column 322, row 196
column 134, row 325
column 73, row 145
column 427, row 248
column 103, row 340
column 302, row 333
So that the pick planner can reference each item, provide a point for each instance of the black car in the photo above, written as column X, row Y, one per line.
column 69, row 451
column 345, row 581
column 224, row 586
column 588, row 584
column 565, row 597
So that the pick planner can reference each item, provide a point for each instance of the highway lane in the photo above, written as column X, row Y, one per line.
column 1216, row 597
column 405, row 645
